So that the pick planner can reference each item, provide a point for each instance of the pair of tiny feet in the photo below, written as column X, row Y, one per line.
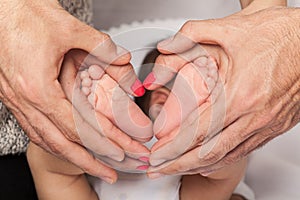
column 92, row 76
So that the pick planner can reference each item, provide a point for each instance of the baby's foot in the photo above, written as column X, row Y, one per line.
column 192, row 87
column 98, row 130
column 107, row 98
column 89, row 78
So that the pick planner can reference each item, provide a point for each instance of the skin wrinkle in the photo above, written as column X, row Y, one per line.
column 256, row 144
column 43, row 17
column 266, row 114
column 289, row 91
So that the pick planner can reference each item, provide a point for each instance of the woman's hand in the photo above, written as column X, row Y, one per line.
column 256, row 97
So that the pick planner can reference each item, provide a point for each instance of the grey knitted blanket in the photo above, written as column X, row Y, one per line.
column 12, row 138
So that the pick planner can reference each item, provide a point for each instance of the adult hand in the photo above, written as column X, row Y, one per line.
column 257, row 90
column 105, row 106
column 35, row 36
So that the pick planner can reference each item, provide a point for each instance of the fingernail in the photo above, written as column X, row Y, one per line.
column 117, row 156
column 143, row 167
column 138, row 88
column 166, row 41
column 155, row 175
column 211, row 62
column 201, row 61
column 140, row 91
column 157, row 162
column 108, row 180
column 206, row 173
column 149, row 80
column 144, row 159
column 121, row 51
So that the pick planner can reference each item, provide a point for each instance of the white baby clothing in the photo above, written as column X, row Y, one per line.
column 138, row 187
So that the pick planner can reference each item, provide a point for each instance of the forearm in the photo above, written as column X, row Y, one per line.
column 262, row 4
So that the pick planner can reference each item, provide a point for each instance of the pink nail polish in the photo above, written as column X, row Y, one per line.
column 144, row 159
column 143, row 167
column 140, row 91
column 150, row 79
column 138, row 88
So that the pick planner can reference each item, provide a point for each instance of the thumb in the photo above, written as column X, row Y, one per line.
column 113, row 58
column 98, row 44
column 197, row 31
column 184, row 48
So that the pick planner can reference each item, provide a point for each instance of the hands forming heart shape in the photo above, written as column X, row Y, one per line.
column 219, row 107
column 225, row 102
column 113, row 123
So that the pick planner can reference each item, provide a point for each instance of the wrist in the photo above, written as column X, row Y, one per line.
column 250, row 6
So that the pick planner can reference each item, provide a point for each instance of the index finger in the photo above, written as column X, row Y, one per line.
column 97, row 43
column 167, row 66
column 124, row 75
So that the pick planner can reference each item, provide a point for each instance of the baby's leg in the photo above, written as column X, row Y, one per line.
column 216, row 186
column 57, row 179
column 194, row 86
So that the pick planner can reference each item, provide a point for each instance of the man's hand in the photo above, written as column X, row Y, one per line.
column 35, row 36
column 256, row 97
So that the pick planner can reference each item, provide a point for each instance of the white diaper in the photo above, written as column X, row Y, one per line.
column 136, row 186
column 139, row 187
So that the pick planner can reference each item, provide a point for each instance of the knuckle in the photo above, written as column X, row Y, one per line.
column 33, row 136
column 110, row 130
column 122, row 74
column 31, row 91
column 186, row 71
column 104, row 38
column 212, row 157
column 56, row 148
column 187, row 27
column 162, row 60
column 231, row 158
column 7, row 94
column 181, row 167
column 176, row 152
column 72, row 137
column 165, row 63
column 278, row 127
